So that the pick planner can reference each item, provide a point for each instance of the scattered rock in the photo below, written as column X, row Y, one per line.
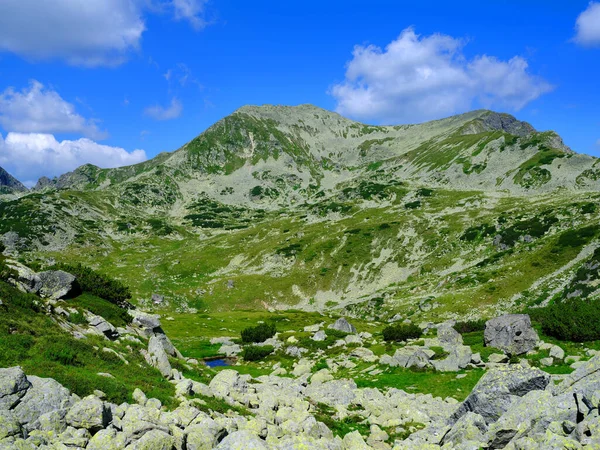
column 511, row 333
column 343, row 325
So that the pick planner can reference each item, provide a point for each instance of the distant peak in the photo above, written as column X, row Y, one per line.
column 493, row 121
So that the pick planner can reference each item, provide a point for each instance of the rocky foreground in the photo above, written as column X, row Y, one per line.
column 513, row 406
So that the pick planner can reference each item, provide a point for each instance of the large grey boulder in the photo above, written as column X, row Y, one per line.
column 511, row 333
column 342, row 325
column 55, row 284
column 44, row 395
column 13, row 386
column 89, row 413
column 498, row 389
column 108, row 439
column 159, row 357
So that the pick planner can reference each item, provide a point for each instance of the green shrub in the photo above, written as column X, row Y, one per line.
column 259, row 333
column 571, row 320
column 470, row 325
column 256, row 353
column 99, row 284
column 402, row 332
column 114, row 314
column 77, row 318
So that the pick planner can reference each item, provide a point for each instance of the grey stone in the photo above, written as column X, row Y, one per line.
column 511, row 333
column 469, row 427
column 242, row 440
column 55, row 284
column 44, row 395
column 159, row 357
column 144, row 320
column 342, row 325
column 557, row 353
column 498, row 389
column 13, row 386
column 89, row 413
column 319, row 336
column 153, row 440
column 333, row 393
column 102, row 326
column 9, row 425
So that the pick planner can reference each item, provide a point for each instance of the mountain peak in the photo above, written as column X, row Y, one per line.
column 9, row 184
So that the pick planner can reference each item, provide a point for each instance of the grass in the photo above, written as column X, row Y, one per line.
column 30, row 339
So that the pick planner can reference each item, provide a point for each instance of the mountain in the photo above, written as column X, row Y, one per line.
column 9, row 184
column 277, row 207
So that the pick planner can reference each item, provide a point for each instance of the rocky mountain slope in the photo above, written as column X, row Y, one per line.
column 9, row 184
column 276, row 207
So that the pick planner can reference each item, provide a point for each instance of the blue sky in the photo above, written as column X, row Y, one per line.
column 113, row 82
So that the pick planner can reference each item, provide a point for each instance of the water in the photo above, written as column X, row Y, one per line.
column 220, row 362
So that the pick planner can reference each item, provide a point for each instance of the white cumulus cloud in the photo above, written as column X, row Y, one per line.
column 36, row 109
column 587, row 26
column 158, row 112
column 28, row 156
column 87, row 33
column 192, row 11
column 419, row 78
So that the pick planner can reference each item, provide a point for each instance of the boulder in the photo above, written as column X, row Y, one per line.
column 226, row 381
column 89, row 413
column 458, row 358
column 230, row 350
column 108, row 439
column 56, row 284
column 470, row 427
column 159, row 358
column 511, row 333
column 102, row 326
column 448, row 336
column 242, row 440
column 333, row 393
column 143, row 320
column 9, row 425
column 153, row 440
column 44, row 395
column 342, row 325
column 498, row 389
column 319, row 336
column 364, row 354
column 13, row 386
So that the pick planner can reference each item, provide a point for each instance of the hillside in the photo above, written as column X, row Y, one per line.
column 9, row 184
column 276, row 207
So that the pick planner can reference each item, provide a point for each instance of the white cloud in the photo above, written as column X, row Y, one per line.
column 192, row 11
column 588, row 26
column 28, row 156
column 36, row 109
column 87, row 33
column 158, row 112
column 419, row 78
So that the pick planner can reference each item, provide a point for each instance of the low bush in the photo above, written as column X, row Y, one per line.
column 470, row 325
column 571, row 320
column 256, row 353
column 402, row 332
column 259, row 333
column 114, row 314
